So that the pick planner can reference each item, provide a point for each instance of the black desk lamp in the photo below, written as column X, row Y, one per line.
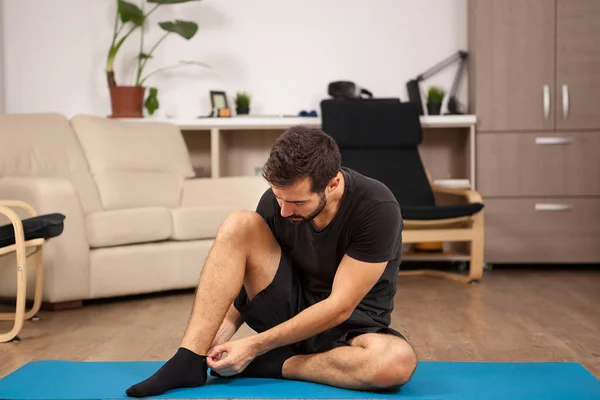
column 414, row 90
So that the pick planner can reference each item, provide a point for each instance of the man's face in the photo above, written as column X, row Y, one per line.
column 298, row 204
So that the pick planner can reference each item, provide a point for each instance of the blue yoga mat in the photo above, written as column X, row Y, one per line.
column 432, row 380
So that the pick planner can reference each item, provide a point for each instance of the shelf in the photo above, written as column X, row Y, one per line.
column 448, row 121
column 274, row 122
column 238, row 145
column 234, row 123
column 445, row 256
column 453, row 183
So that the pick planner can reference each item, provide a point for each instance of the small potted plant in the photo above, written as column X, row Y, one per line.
column 242, row 103
column 435, row 95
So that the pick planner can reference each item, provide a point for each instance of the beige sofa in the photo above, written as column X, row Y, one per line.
column 137, row 221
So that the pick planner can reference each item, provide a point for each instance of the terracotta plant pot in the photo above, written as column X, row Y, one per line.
column 127, row 101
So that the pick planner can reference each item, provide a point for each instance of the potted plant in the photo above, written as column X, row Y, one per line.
column 242, row 103
column 435, row 96
column 127, row 101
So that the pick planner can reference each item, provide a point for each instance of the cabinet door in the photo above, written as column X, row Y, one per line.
column 512, row 62
column 578, row 64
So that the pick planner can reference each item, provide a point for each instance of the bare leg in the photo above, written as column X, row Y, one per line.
column 371, row 362
column 244, row 253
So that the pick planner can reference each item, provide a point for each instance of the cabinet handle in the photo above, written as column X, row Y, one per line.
column 565, row 101
column 553, row 207
column 553, row 140
column 546, row 99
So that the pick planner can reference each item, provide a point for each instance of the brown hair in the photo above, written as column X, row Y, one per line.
column 302, row 152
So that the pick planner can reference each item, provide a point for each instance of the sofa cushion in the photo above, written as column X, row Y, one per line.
column 137, row 189
column 44, row 145
column 151, row 154
column 191, row 223
column 121, row 227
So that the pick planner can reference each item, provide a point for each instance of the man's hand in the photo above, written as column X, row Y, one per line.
column 239, row 354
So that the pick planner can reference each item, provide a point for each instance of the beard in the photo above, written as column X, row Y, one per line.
column 299, row 219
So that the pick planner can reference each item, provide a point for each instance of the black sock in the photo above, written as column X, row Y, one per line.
column 268, row 365
column 184, row 369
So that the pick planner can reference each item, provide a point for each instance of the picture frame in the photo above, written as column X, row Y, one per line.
column 219, row 103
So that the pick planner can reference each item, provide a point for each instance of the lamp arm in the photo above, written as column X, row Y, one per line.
column 458, row 76
column 459, row 55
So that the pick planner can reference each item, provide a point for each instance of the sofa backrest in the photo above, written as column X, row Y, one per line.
column 134, row 164
column 44, row 145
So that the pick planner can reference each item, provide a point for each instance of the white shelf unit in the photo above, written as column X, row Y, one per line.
column 240, row 145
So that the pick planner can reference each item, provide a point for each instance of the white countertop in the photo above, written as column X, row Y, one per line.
column 275, row 122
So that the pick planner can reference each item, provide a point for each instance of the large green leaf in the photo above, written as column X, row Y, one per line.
column 186, row 29
column 170, row 1
column 130, row 12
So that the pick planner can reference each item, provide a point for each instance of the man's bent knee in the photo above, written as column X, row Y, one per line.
column 247, row 231
column 239, row 224
column 394, row 368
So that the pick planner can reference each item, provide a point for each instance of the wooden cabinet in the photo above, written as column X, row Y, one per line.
column 534, row 77
column 535, row 64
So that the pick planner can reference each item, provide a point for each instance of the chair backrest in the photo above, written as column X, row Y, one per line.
column 379, row 138
column 134, row 164
column 44, row 146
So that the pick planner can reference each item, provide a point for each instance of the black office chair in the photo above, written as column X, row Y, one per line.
column 380, row 138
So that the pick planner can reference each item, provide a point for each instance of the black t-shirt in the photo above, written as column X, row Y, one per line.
column 367, row 227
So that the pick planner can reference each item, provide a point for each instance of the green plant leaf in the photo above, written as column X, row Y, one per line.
column 130, row 12
column 151, row 102
column 242, row 99
column 144, row 56
column 435, row 94
column 186, row 29
column 170, row 1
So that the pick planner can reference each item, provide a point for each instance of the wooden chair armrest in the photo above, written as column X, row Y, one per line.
column 471, row 195
column 17, row 224
column 19, row 204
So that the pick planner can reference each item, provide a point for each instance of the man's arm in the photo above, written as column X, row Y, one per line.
column 234, row 317
column 352, row 282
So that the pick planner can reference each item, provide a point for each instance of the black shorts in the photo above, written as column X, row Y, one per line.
column 284, row 298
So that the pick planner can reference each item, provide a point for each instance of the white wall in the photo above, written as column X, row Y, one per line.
column 1, row 60
column 283, row 52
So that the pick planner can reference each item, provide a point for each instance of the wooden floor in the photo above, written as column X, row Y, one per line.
column 513, row 315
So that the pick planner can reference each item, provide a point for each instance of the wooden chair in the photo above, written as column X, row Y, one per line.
column 380, row 138
column 467, row 228
column 25, row 238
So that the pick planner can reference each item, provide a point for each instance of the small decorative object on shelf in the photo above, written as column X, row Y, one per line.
column 435, row 96
column 127, row 101
column 220, row 105
column 242, row 103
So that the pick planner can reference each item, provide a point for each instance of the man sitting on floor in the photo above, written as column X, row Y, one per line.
column 313, row 271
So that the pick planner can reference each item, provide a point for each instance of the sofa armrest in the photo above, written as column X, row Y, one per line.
column 239, row 192
column 19, row 204
column 66, row 257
